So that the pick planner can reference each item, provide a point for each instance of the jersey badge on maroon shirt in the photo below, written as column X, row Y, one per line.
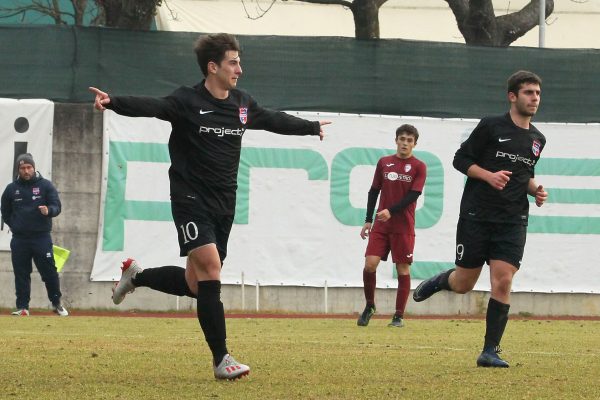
column 243, row 115
column 535, row 148
column 407, row 167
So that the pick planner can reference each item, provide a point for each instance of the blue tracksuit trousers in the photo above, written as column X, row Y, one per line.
column 39, row 249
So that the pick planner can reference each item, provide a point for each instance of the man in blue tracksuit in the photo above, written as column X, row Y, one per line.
column 28, row 206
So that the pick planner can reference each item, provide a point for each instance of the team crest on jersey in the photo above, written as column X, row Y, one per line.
column 407, row 167
column 36, row 191
column 535, row 148
column 243, row 115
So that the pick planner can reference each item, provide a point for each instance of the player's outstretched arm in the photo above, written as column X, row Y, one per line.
column 321, row 133
column 101, row 99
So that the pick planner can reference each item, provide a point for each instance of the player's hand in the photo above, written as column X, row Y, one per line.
column 540, row 196
column 101, row 99
column 366, row 230
column 321, row 133
column 43, row 210
column 499, row 180
column 384, row 215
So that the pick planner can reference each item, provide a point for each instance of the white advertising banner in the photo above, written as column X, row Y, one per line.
column 25, row 127
column 301, row 204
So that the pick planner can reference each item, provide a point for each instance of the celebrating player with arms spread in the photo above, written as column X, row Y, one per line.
column 208, row 122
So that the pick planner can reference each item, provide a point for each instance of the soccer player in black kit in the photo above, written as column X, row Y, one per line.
column 498, row 158
column 208, row 122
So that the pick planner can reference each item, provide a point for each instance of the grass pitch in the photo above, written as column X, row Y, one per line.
column 88, row 358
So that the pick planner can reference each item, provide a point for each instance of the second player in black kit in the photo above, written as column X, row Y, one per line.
column 498, row 158
column 497, row 144
column 208, row 123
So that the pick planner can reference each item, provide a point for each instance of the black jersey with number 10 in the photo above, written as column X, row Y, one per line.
column 206, row 139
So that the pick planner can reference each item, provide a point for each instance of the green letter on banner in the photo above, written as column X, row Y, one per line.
column 253, row 157
column 565, row 224
column 116, row 208
column 347, row 159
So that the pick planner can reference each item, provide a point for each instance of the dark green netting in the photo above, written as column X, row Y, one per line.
column 396, row 77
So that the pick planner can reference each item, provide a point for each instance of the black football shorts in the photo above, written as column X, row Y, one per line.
column 478, row 242
column 196, row 227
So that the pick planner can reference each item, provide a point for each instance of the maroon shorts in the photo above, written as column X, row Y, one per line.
column 401, row 246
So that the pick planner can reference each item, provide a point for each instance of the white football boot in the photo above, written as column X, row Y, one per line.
column 230, row 369
column 125, row 285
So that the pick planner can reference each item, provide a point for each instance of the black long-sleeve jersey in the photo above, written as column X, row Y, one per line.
column 206, row 138
column 498, row 144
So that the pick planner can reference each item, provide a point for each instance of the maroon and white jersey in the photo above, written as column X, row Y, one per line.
column 395, row 177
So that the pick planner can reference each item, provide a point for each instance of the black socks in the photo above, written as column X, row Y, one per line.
column 443, row 283
column 211, row 315
column 168, row 279
column 212, row 318
column 495, row 322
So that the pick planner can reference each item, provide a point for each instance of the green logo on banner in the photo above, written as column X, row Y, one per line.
column 117, row 209
column 346, row 160
column 252, row 157
column 565, row 224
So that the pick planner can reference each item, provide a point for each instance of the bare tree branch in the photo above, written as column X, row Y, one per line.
column 364, row 12
column 479, row 25
column 517, row 24
column 131, row 14
column 330, row 2
column 48, row 8
column 262, row 11
column 459, row 8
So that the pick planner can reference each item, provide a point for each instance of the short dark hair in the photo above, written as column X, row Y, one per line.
column 519, row 78
column 408, row 129
column 213, row 48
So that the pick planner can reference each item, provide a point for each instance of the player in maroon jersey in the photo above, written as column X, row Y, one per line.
column 400, row 178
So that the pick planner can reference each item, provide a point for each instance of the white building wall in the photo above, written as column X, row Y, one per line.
column 573, row 24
